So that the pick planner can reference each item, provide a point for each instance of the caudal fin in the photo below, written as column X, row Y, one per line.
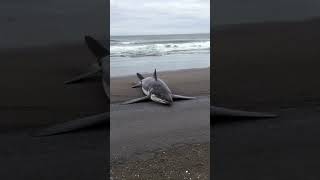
column 140, row 76
column 84, row 76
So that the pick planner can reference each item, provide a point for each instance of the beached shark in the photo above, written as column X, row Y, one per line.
column 153, row 87
column 156, row 89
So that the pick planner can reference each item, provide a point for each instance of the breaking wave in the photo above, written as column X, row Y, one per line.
column 158, row 47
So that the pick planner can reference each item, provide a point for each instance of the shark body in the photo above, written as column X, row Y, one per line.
column 155, row 89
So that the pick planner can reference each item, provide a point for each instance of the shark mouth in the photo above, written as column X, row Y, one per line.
column 159, row 100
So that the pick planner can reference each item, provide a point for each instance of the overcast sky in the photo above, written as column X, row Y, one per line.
column 142, row 17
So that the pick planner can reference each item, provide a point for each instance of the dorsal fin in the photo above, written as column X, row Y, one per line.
column 155, row 74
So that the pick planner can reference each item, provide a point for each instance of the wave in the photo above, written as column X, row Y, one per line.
column 158, row 47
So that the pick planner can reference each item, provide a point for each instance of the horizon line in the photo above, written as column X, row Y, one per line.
column 159, row 34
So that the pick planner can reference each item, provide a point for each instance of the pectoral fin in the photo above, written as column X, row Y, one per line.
column 137, row 85
column 176, row 97
column 145, row 98
column 225, row 112
column 83, row 76
column 73, row 125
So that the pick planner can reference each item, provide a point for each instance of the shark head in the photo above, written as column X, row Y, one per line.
column 162, row 98
column 161, row 94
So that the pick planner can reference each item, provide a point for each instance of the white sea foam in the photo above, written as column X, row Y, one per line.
column 158, row 48
column 131, row 54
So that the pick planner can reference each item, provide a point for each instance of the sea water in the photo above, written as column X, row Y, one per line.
column 131, row 54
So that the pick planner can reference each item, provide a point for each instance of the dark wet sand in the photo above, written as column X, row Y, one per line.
column 141, row 133
column 142, row 128
column 268, row 66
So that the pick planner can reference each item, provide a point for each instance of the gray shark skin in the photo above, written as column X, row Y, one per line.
column 155, row 89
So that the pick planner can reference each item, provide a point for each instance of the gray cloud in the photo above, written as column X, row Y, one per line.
column 130, row 17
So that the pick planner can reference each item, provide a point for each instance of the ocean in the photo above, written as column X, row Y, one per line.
column 144, row 53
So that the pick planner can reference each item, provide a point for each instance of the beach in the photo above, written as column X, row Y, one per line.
column 149, row 140
column 140, row 133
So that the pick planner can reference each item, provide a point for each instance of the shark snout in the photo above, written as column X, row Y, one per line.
column 167, row 100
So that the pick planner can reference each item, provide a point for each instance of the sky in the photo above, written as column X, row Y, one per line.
column 153, row 17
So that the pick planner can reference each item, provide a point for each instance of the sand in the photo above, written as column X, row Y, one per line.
column 138, row 132
column 181, row 161
column 141, row 133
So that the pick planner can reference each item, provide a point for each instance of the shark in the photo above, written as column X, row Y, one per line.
column 155, row 89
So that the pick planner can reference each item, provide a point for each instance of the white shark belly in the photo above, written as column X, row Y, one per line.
column 145, row 92
column 156, row 99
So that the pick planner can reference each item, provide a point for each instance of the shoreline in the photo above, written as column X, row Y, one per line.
column 123, row 66
column 165, row 71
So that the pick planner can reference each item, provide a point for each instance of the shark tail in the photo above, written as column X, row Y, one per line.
column 140, row 76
